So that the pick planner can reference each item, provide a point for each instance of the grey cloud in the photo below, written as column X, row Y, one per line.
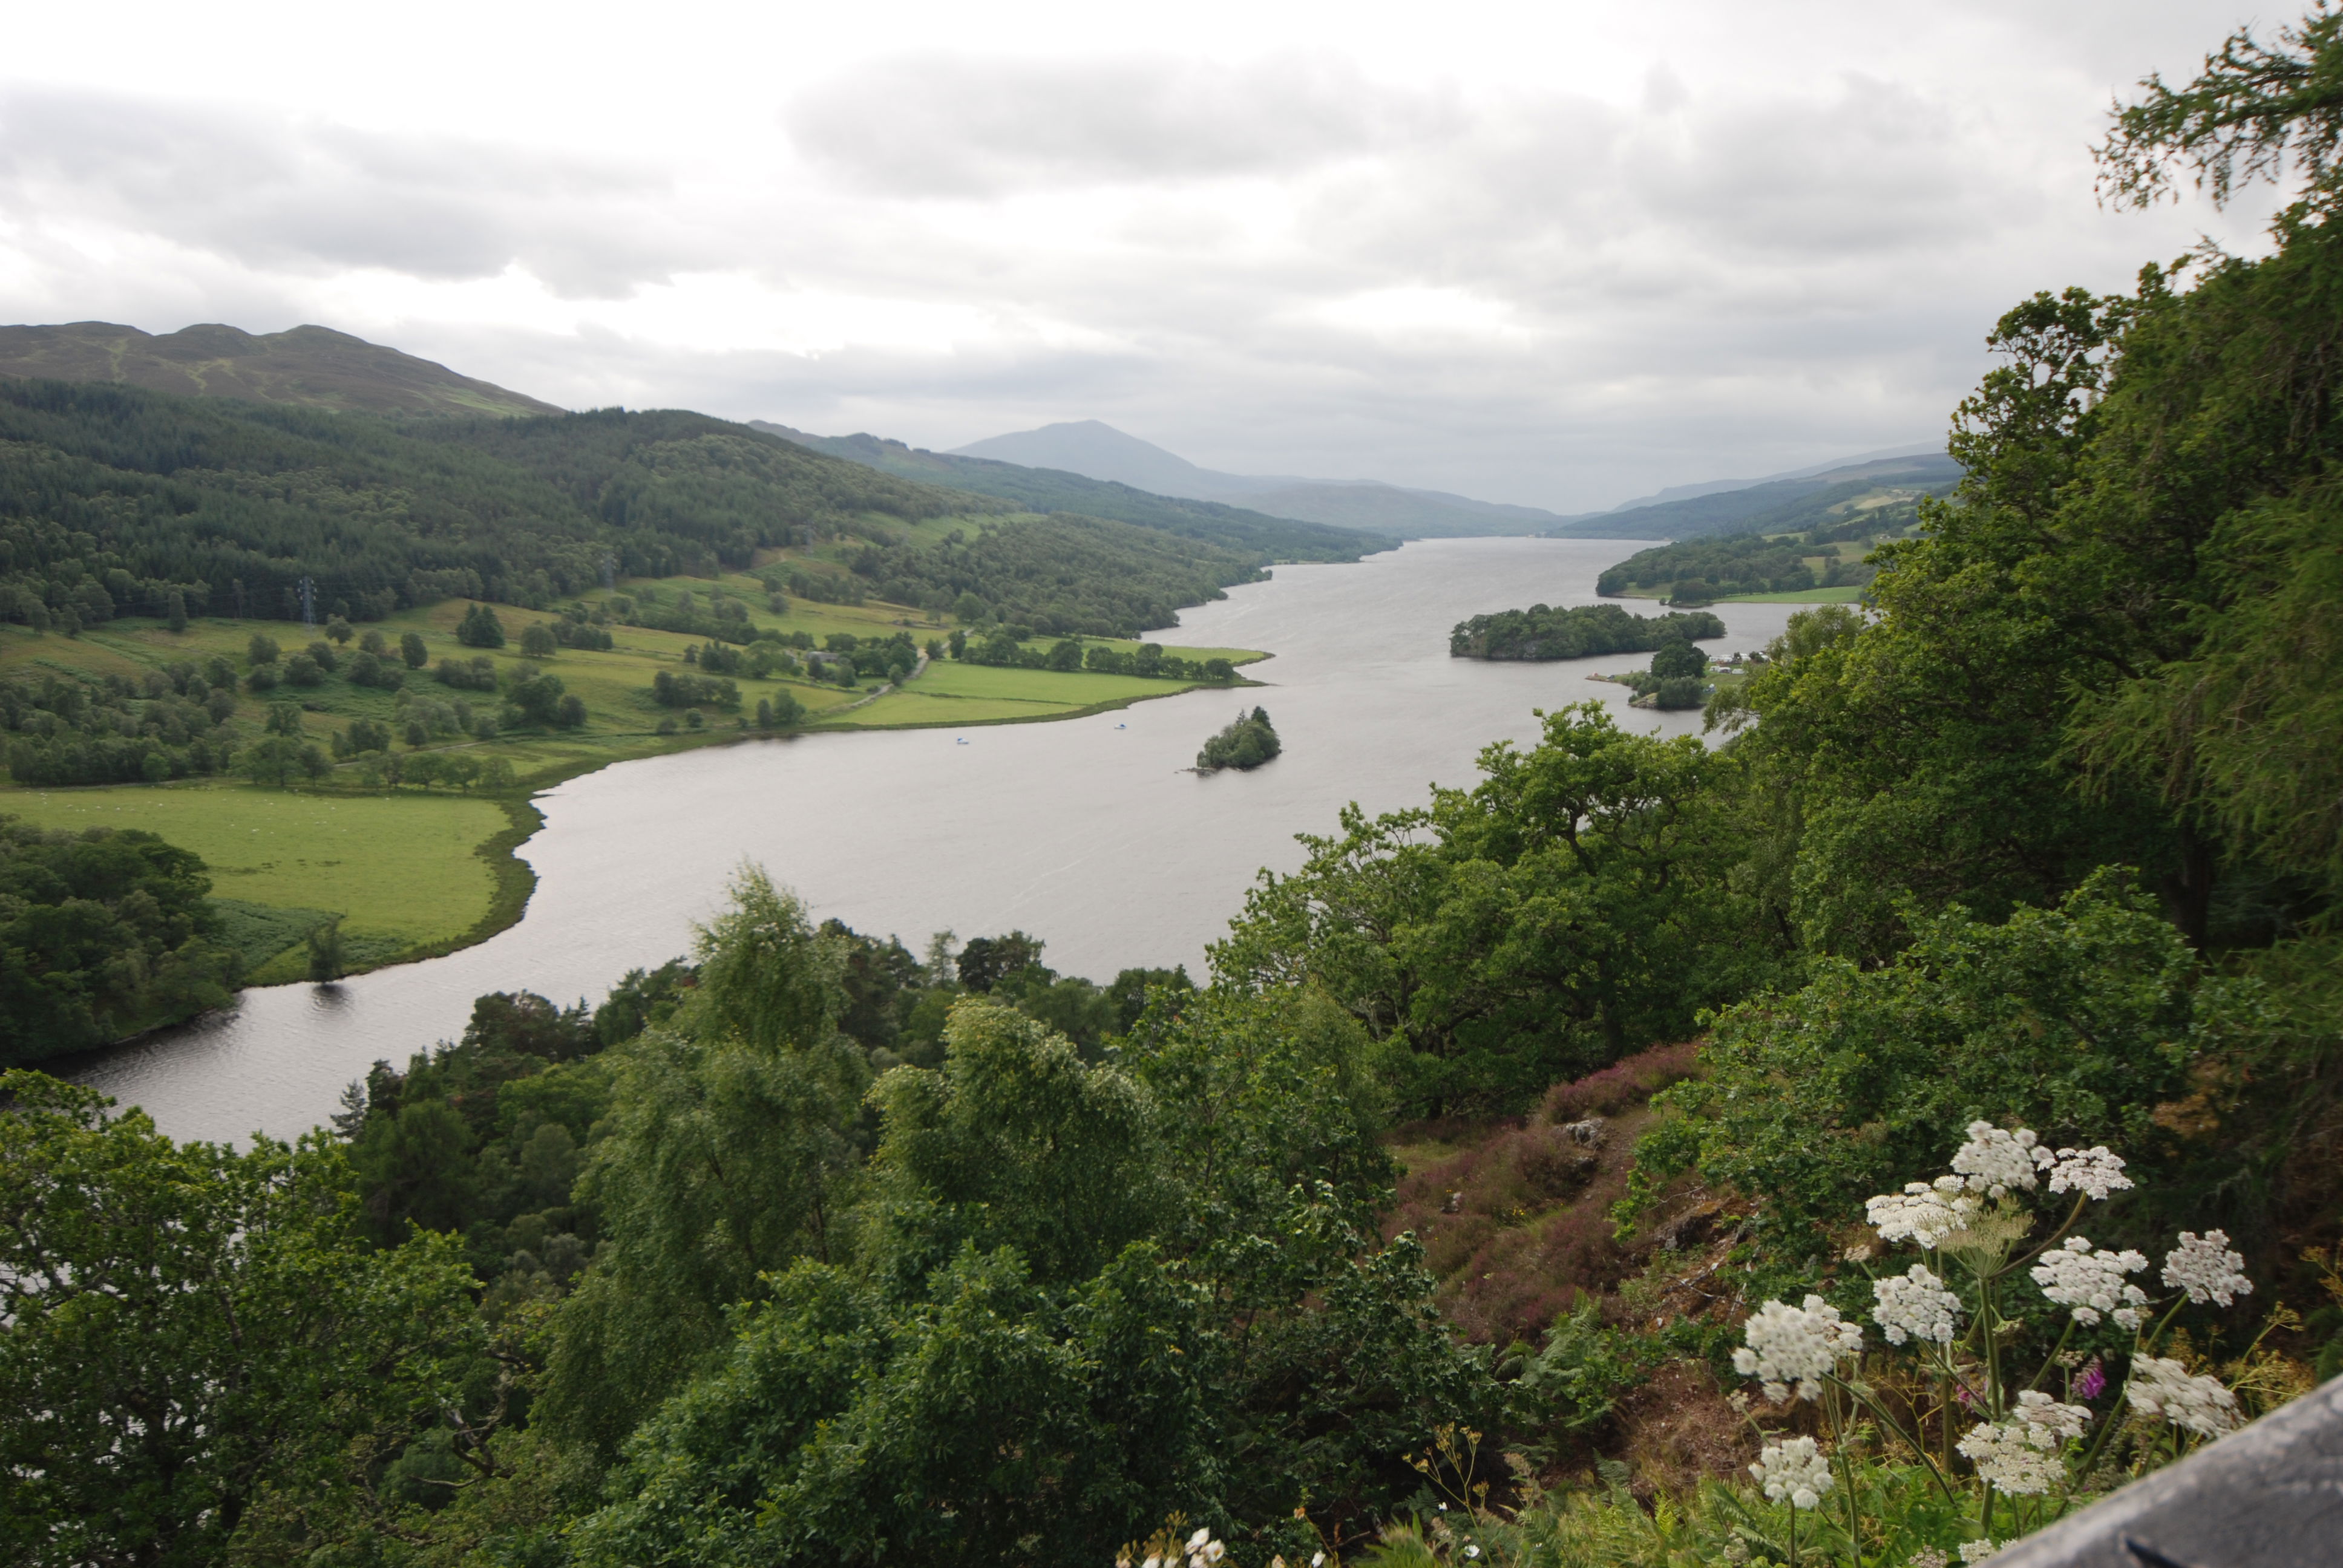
column 283, row 194
column 1705, row 282
column 953, row 125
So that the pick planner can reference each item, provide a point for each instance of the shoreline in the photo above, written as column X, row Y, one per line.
column 515, row 880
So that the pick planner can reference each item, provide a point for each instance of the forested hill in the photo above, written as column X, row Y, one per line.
column 1057, row 490
column 114, row 499
column 308, row 366
column 1777, row 505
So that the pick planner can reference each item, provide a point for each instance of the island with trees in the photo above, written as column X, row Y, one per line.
column 1677, row 678
column 1247, row 743
column 1544, row 633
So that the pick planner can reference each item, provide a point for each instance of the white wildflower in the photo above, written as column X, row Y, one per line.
column 1319, row 1561
column 2165, row 1388
column 2206, row 1267
column 1978, row 1551
column 1923, row 1212
column 2006, row 1454
column 1998, row 1163
column 1787, row 1345
column 1927, row 1557
column 2093, row 1170
column 2047, row 1422
column 1203, row 1551
column 1793, row 1471
column 2091, row 1280
column 1914, row 1306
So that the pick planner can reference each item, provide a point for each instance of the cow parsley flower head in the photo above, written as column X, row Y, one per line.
column 2206, row 1267
column 2092, row 1171
column 1793, row 1471
column 2165, row 1389
column 1978, row 1551
column 1924, row 1212
column 2047, row 1422
column 1203, row 1552
column 1785, row 1345
column 1914, row 1306
column 1996, row 1163
column 2007, row 1455
column 2091, row 1281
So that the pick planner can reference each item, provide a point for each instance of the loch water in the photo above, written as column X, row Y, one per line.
column 1090, row 833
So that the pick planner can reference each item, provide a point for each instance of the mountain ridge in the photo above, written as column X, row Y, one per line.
column 1060, row 490
column 307, row 367
column 1097, row 450
column 1780, row 502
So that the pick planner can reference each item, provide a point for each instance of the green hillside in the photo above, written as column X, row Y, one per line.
column 115, row 500
column 1779, row 504
column 1271, row 538
column 308, row 366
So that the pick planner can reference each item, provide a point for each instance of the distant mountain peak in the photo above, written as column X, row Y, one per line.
column 1097, row 450
column 311, row 366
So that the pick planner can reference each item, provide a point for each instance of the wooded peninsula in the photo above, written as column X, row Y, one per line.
column 1541, row 633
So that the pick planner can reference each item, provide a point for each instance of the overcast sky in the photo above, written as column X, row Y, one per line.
column 1556, row 253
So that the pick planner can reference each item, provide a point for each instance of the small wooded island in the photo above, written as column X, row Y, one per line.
column 1248, row 742
column 1542, row 633
column 1677, row 678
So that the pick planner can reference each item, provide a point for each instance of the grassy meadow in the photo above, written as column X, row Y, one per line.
column 412, row 872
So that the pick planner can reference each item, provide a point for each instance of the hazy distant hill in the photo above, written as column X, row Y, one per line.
column 1100, row 451
column 311, row 366
column 1802, row 502
column 1711, row 486
column 1271, row 538
column 1412, row 514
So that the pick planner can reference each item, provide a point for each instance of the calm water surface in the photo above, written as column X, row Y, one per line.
column 1086, row 833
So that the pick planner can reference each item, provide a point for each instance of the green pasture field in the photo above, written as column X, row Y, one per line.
column 1842, row 595
column 416, row 872
column 403, row 870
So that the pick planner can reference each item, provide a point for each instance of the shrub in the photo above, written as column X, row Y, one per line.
column 481, row 629
column 538, row 698
column 1680, row 692
column 1673, row 659
column 1622, row 1084
column 671, row 689
column 477, row 674
column 2079, row 1020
